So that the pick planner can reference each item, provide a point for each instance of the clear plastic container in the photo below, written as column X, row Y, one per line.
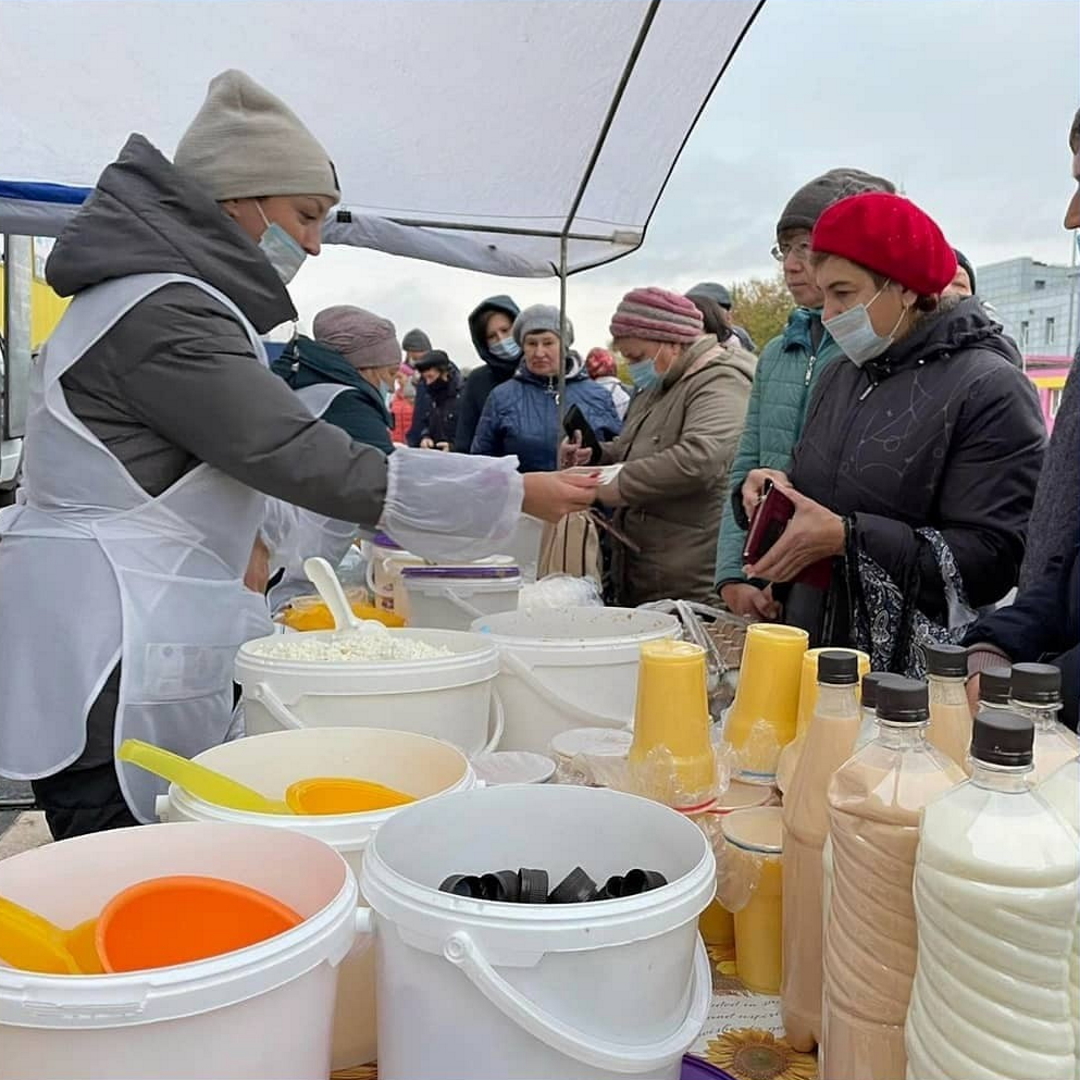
column 950, row 714
column 1036, row 694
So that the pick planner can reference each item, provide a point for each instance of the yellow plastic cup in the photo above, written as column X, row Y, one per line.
column 755, row 837
column 673, row 712
column 763, row 716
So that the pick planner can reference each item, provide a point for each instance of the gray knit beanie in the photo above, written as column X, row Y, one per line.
column 246, row 143
column 416, row 341
column 539, row 319
column 364, row 339
column 713, row 291
column 813, row 199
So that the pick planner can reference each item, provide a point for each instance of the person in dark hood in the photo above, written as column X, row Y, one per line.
column 913, row 479
column 714, row 302
column 963, row 282
column 490, row 327
column 521, row 416
column 155, row 433
column 438, row 423
column 353, row 350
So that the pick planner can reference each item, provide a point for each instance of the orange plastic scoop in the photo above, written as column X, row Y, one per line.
column 341, row 795
column 178, row 920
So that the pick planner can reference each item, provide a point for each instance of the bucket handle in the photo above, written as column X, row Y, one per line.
column 277, row 708
column 516, row 666
column 462, row 951
column 461, row 604
column 497, row 722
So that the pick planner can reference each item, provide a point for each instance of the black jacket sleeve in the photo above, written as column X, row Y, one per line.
column 353, row 413
column 470, row 408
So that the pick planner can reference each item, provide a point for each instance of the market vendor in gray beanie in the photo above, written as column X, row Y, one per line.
column 538, row 319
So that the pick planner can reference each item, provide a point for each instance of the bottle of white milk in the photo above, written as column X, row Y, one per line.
column 996, row 904
column 1036, row 693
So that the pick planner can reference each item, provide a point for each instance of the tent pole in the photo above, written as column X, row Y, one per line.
column 564, row 244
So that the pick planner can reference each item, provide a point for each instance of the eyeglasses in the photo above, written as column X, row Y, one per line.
column 800, row 250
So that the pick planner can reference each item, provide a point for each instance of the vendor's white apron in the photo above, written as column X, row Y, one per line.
column 296, row 534
column 93, row 571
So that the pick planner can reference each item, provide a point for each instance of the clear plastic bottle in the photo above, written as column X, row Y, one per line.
column 996, row 904
column 875, row 800
column 1036, row 693
column 950, row 714
column 828, row 742
column 868, row 729
column 995, row 684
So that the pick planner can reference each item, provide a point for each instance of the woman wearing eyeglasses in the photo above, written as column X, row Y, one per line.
column 787, row 371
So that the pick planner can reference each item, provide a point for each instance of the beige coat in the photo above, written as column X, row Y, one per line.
column 678, row 443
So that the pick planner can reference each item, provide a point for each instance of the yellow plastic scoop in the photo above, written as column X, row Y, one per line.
column 206, row 784
column 342, row 795
column 30, row 942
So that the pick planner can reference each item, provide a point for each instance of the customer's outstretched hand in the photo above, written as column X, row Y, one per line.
column 551, row 496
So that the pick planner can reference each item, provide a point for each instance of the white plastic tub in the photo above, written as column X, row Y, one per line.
column 453, row 597
column 568, row 669
column 447, row 698
column 261, row 1013
column 489, row 991
column 415, row 764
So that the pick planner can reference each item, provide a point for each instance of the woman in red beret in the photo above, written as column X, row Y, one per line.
column 914, row 476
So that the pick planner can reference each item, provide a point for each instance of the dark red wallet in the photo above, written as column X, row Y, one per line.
column 767, row 526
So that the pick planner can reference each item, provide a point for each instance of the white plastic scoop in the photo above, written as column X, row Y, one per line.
column 321, row 574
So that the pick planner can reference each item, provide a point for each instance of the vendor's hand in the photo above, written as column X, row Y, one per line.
column 573, row 454
column 257, row 575
column 754, row 486
column 551, row 496
column 426, row 444
column 813, row 533
column 742, row 598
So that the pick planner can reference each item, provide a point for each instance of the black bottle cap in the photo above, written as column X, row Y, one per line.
column 995, row 685
column 613, row 889
column 1002, row 738
column 504, row 886
column 463, row 885
column 947, row 661
column 903, row 701
column 533, row 886
column 837, row 668
column 870, row 683
column 1036, row 684
column 639, row 881
column 576, row 888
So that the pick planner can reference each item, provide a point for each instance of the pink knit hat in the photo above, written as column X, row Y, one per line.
column 657, row 315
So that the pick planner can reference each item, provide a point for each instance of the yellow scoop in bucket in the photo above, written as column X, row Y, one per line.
column 318, row 795
column 30, row 942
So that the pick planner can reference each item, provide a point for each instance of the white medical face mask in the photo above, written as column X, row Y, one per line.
column 853, row 331
column 284, row 254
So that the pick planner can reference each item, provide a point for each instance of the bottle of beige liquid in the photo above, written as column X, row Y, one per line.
column 1036, row 694
column 995, row 684
column 950, row 714
column 997, row 890
column 875, row 800
column 828, row 742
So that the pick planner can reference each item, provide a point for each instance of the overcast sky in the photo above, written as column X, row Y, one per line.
column 965, row 103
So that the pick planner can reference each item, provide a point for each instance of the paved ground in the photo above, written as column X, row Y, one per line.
column 11, row 790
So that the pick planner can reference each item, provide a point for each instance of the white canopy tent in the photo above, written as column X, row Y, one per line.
column 518, row 137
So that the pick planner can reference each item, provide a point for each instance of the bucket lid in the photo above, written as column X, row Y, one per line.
column 460, row 573
column 740, row 795
column 594, row 741
column 513, row 767
column 758, row 828
column 380, row 539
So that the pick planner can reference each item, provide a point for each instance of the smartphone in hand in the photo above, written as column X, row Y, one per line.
column 575, row 422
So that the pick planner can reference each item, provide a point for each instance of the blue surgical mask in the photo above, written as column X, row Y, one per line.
column 643, row 374
column 507, row 349
column 283, row 253
column 853, row 331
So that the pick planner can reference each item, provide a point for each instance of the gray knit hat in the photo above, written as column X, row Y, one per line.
column 416, row 341
column 364, row 339
column 246, row 143
column 713, row 291
column 813, row 199
column 539, row 319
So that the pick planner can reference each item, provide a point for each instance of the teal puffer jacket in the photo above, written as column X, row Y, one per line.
column 787, row 373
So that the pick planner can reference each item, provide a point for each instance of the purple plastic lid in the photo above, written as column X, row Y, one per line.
column 382, row 540
column 461, row 573
column 694, row 1068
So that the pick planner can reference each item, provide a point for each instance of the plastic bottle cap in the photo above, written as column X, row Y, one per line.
column 837, row 668
column 1036, row 684
column 995, row 685
column 576, row 888
column 639, row 881
column 463, row 885
column 902, row 701
column 947, row 661
column 503, row 887
column 532, row 886
column 870, row 682
column 1002, row 738
column 612, row 890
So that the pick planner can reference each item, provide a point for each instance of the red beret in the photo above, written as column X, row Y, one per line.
column 889, row 235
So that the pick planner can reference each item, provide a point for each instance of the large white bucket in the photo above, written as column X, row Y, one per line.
column 447, row 698
column 415, row 764
column 452, row 597
column 262, row 1013
column 568, row 669
column 534, row 991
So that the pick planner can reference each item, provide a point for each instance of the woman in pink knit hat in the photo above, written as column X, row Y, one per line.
column 676, row 445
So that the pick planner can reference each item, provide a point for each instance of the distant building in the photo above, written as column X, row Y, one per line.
column 1039, row 306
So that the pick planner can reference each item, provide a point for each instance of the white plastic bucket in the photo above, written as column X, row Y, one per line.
column 447, row 698
column 571, row 668
column 261, row 1013
column 385, row 563
column 524, row 546
column 452, row 598
column 415, row 764
column 534, row 991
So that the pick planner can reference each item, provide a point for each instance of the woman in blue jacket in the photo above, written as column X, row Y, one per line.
column 522, row 415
